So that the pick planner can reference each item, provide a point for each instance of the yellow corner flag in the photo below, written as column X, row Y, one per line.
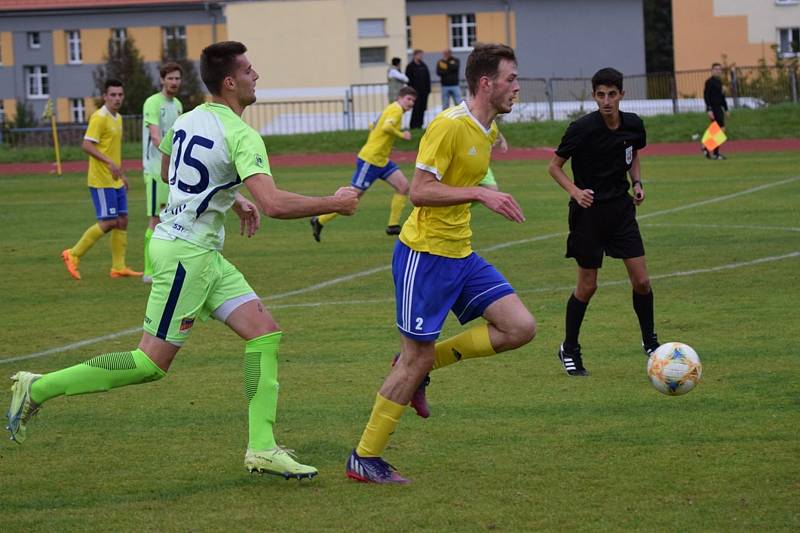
column 48, row 113
column 713, row 137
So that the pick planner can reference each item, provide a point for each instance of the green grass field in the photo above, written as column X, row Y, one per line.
column 513, row 443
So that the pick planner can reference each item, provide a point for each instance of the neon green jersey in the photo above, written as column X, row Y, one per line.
column 160, row 111
column 382, row 136
column 212, row 151
column 105, row 131
column 456, row 148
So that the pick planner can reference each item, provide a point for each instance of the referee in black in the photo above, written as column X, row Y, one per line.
column 604, row 148
column 716, row 105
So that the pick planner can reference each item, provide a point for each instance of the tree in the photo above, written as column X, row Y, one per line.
column 191, row 94
column 124, row 62
column 25, row 116
column 659, row 53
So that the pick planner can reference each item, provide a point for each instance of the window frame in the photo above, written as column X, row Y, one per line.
column 74, row 44
column 367, row 34
column 409, row 41
column 41, row 76
column 34, row 44
column 464, row 25
column 793, row 34
column 80, row 109
column 174, row 33
column 118, row 37
column 363, row 64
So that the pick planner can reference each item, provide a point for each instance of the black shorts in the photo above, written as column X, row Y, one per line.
column 608, row 228
column 719, row 116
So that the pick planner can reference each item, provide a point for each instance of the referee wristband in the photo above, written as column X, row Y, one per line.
column 637, row 182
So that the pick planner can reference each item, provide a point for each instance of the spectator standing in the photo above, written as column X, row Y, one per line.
column 419, row 77
column 396, row 80
column 447, row 70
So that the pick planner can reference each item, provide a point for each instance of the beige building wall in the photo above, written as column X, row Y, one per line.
column 148, row 40
column 9, row 108
column 738, row 31
column 6, row 49
column 310, row 48
column 429, row 33
column 491, row 28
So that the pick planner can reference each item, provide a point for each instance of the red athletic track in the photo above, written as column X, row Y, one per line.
column 514, row 154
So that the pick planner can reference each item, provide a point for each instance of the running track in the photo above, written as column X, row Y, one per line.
column 514, row 154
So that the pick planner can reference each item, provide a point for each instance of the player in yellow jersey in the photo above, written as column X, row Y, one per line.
column 373, row 161
column 108, row 185
column 434, row 268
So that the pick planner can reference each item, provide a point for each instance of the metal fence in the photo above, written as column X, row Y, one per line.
column 539, row 99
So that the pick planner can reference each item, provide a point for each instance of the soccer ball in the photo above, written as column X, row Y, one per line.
column 674, row 368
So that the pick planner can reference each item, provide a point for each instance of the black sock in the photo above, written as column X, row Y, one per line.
column 643, row 305
column 575, row 311
column 716, row 151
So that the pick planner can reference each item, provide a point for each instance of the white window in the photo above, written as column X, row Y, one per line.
column 462, row 31
column 74, row 47
column 34, row 39
column 37, row 82
column 789, row 41
column 77, row 110
column 787, row 2
column 118, row 38
column 371, row 28
column 174, row 41
column 408, row 33
column 2, row 112
column 372, row 55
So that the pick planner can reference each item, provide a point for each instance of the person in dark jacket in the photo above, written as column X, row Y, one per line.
column 716, row 106
column 420, row 79
column 447, row 69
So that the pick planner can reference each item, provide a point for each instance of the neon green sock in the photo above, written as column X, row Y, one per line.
column 261, row 387
column 148, row 267
column 99, row 374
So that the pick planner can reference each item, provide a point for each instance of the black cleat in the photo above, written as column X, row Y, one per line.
column 393, row 230
column 316, row 227
column 651, row 345
column 572, row 361
column 719, row 157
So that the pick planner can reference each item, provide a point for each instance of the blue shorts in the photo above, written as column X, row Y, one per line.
column 427, row 286
column 366, row 174
column 109, row 203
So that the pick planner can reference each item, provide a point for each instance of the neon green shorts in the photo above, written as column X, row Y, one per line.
column 156, row 194
column 488, row 179
column 190, row 282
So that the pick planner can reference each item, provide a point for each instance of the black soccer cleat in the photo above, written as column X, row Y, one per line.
column 393, row 230
column 651, row 345
column 572, row 361
column 316, row 227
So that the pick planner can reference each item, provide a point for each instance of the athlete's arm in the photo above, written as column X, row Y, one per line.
column 636, row 179
column 278, row 203
column 164, row 168
column 155, row 134
column 584, row 197
column 91, row 148
column 427, row 191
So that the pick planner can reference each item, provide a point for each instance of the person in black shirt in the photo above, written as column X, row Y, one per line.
column 420, row 79
column 716, row 105
column 603, row 146
column 447, row 69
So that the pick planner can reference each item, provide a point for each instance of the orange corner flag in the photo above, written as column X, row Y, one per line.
column 713, row 137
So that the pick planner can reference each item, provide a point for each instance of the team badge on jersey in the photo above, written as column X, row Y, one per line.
column 628, row 155
column 259, row 161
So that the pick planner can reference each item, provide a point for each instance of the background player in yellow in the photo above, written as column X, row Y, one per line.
column 435, row 270
column 108, row 185
column 158, row 114
column 373, row 161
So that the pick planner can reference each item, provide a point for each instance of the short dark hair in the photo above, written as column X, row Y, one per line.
column 217, row 61
column 417, row 51
column 111, row 82
column 405, row 91
column 169, row 66
column 396, row 61
column 610, row 77
column 716, row 65
column 484, row 60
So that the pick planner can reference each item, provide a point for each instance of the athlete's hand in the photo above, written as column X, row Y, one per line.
column 638, row 194
column 116, row 172
column 348, row 200
column 249, row 217
column 124, row 182
column 584, row 197
column 711, row 115
column 407, row 135
column 502, row 203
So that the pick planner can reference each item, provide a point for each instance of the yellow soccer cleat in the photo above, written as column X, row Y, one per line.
column 278, row 461
column 22, row 408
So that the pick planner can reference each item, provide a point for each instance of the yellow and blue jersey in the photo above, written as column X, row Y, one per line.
column 456, row 148
column 105, row 130
column 382, row 136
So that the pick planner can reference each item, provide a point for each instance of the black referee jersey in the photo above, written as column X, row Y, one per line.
column 601, row 158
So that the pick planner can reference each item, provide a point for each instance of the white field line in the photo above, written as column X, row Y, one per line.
column 341, row 279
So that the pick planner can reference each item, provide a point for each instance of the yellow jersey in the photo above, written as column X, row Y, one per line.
column 456, row 148
column 381, row 138
column 105, row 131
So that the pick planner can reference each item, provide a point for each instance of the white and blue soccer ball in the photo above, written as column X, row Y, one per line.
column 674, row 368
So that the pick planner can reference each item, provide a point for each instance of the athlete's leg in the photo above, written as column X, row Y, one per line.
column 642, row 299
column 399, row 183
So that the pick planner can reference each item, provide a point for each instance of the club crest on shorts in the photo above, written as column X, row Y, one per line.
column 186, row 324
column 628, row 155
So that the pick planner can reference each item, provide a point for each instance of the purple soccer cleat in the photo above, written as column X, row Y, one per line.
column 373, row 470
column 418, row 400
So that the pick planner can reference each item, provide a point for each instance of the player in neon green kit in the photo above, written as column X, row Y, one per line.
column 158, row 114
column 212, row 152
column 373, row 161
column 108, row 186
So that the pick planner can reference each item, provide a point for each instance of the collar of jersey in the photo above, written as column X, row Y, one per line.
column 475, row 120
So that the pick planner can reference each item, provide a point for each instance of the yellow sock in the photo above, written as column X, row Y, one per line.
column 398, row 203
column 324, row 219
column 119, row 245
column 471, row 343
column 384, row 418
column 90, row 236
